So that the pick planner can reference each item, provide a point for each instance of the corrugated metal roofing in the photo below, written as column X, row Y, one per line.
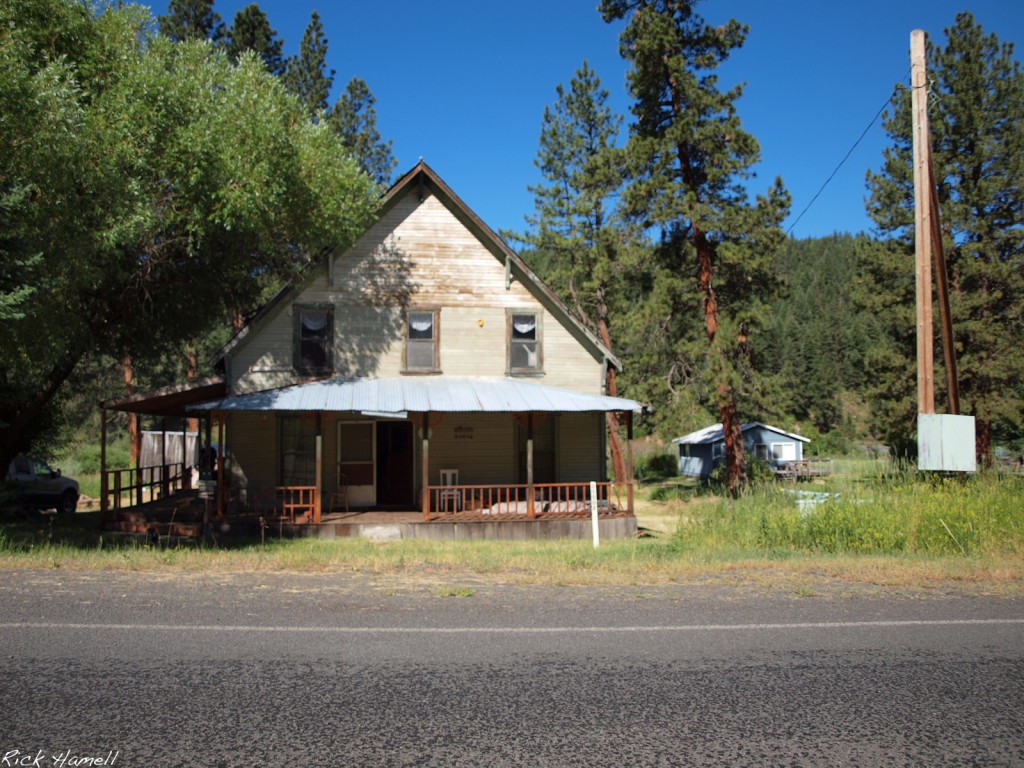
column 419, row 394
column 713, row 434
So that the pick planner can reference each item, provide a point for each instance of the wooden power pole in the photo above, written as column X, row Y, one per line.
column 923, row 190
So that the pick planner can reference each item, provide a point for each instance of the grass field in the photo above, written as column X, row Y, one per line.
column 864, row 528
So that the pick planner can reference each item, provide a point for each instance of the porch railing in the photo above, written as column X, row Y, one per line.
column 515, row 500
column 120, row 488
column 295, row 503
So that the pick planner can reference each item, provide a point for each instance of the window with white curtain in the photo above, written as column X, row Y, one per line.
column 314, row 334
column 524, row 351
column 421, row 341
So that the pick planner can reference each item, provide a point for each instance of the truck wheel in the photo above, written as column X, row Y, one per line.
column 68, row 502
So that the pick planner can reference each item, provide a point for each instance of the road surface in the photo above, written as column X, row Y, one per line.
column 346, row 670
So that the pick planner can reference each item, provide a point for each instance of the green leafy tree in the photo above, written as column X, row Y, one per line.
column 975, row 102
column 354, row 118
column 165, row 185
column 251, row 31
column 688, row 159
column 191, row 20
column 306, row 74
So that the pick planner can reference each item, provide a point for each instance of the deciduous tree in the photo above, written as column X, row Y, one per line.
column 165, row 183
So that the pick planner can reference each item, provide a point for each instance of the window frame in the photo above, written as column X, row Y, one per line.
column 435, row 367
column 511, row 342
column 786, row 448
column 328, row 343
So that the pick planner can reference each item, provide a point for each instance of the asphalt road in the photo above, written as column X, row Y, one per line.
column 341, row 670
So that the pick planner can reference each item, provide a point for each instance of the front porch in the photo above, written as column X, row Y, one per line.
column 187, row 514
column 312, row 456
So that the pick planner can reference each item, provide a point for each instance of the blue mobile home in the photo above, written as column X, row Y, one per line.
column 703, row 450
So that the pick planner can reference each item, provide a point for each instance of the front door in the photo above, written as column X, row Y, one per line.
column 395, row 464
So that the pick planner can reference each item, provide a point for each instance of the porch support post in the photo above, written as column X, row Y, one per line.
column 186, row 465
column 530, row 511
column 319, row 468
column 425, row 469
column 221, row 490
column 104, row 502
column 164, row 474
column 137, row 454
column 629, row 461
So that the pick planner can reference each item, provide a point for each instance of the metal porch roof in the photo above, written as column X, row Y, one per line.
column 399, row 395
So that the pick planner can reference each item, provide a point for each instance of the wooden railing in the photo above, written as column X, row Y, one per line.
column 122, row 488
column 804, row 469
column 295, row 503
column 515, row 500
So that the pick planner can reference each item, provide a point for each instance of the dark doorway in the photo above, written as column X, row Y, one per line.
column 394, row 464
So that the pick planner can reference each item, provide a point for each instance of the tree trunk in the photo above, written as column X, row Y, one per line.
column 12, row 438
column 736, row 469
column 612, row 419
column 133, row 418
column 983, row 442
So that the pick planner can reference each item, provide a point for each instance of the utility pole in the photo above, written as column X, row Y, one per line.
column 922, row 223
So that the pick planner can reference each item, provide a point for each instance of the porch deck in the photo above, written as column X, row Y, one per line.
column 182, row 515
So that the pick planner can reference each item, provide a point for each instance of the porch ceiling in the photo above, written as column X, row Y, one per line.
column 398, row 395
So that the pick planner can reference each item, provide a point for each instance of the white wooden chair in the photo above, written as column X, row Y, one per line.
column 449, row 498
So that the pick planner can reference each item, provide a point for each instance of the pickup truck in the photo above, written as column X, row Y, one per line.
column 36, row 486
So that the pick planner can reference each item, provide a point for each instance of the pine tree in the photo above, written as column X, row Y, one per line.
column 306, row 75
column 191, row 20
column 688, row 158
column 251, row 31
column 976, row 99
column 574, row 226
column 354, row 118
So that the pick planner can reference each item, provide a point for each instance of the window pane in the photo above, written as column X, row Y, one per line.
column 421, row 325
column 524, row 327
column 298, row 451
column 524, row 354
column 356, row 443
column 314, row 340
column 421, row 354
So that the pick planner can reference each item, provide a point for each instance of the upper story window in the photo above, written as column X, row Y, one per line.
column 314, row 339
column 421, row 341
column 524, row 343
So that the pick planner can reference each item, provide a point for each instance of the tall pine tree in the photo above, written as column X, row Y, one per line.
column 574, row 229
column 354, row 118
column 977, row 97
column 688, row 159
column 306, row 74
column 251, row 31
column 191, row 20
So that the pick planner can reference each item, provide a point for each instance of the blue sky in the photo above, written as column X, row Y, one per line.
column 463, row 84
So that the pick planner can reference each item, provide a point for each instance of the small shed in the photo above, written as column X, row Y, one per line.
column 701, row 451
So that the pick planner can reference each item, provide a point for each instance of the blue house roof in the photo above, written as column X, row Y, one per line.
column 714, row 433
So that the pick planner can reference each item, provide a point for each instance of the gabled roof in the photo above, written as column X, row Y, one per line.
column 397, row 396
column 420, row 179
column 714, row 434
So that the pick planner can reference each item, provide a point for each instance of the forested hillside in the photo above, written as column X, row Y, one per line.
column 125, row 259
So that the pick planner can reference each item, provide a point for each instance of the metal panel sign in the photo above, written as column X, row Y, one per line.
column 945, row 443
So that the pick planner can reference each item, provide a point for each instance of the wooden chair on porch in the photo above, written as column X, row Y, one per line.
column 449, row 498
column 339, row 496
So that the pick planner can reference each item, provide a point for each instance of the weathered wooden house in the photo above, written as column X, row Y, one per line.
column 425, row 369
column 701, row 451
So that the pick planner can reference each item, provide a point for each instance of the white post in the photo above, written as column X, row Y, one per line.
column 593, row 513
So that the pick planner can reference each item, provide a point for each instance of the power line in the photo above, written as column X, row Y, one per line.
column 845, row 157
